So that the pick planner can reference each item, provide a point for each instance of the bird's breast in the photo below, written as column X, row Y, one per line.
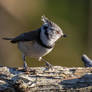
column 33, row 49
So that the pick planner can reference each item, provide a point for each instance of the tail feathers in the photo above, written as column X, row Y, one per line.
column 5, row 38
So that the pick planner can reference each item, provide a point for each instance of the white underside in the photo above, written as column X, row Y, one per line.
column 33, row 49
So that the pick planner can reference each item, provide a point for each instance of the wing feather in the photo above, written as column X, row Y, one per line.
column 28, row 36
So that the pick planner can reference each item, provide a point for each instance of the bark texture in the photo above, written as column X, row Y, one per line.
column 60, row 79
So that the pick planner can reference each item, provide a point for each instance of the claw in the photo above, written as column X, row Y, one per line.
column 48, row 65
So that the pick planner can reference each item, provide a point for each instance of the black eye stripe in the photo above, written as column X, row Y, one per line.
column 46, row 31
column 45, row 27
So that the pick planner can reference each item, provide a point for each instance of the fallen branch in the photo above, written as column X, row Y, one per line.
column 37, row 80
column 87, row 61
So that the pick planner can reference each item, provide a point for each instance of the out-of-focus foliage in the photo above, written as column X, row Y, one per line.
column 73, row 16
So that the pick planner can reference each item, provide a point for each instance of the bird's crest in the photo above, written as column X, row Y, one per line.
column 46, row 21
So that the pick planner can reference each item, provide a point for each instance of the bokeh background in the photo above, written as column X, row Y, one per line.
column 73, row 16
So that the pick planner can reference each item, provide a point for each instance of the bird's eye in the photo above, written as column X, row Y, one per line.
column 57, row 32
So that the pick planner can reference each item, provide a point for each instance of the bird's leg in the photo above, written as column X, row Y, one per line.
column 49, row 66
column 26, row 68
column 24, row 60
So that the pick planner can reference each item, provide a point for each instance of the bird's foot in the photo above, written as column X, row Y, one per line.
column 48, row 66
column 27, row 70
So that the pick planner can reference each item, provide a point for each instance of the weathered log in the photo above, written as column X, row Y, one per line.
column 60, row 79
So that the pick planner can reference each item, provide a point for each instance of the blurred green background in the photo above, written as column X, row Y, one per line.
column 73, row 16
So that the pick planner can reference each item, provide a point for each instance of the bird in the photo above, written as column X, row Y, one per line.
column 39, row 42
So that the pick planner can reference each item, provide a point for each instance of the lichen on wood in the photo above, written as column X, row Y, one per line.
column 58, row 79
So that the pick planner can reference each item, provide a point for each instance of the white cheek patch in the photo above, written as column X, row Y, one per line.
column 53, row 36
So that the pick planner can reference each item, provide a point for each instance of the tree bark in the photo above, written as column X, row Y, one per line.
column 58, row 79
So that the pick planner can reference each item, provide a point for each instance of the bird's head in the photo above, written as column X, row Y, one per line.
column 52, row 30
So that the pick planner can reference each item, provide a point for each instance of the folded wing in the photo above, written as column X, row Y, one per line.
column 28, row 36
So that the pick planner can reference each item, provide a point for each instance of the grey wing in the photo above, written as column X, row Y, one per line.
column 28, row 36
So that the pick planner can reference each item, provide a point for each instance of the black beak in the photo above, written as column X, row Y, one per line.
column 64, row 35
